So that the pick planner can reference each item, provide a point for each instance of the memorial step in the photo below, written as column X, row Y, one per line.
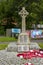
column 23, row 48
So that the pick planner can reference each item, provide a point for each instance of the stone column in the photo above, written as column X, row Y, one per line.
column 23, row 13
column 23, row 24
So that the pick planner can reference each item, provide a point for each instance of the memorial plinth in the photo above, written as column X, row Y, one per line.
column 23, row 42
column 23, row 39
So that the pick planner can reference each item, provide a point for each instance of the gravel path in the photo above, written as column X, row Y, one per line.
column 10, row 58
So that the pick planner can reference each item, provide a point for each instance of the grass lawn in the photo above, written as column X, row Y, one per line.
column 41, row 45
column 7, row 39
column 3, row 46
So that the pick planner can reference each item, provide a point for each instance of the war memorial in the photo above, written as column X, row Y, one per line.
column 9, row 55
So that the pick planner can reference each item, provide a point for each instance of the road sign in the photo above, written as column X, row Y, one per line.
column 15, row 30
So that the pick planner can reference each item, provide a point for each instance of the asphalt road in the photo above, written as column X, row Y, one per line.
column 38, row 41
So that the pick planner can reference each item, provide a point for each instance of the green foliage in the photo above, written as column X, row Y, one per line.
column 2, row 32
column 9, row 10
column 41, row 45
column 7, row 39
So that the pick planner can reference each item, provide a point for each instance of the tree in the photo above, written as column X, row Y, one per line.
column 9, row 10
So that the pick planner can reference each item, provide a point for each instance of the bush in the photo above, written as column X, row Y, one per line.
column 2, row 32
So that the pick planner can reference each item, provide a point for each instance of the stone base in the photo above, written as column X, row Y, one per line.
column 12, row 47
column 23, row 39
column 23, row 48
column 34, row 45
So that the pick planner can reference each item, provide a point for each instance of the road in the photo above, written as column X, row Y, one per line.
column 38, row 41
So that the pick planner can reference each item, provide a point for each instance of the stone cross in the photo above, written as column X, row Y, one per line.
column 23, row 14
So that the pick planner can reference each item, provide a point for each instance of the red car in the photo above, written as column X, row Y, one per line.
column 28, row 64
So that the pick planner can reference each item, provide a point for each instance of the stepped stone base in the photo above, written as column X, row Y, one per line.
column 12, row 47
column 23, row 39
column 34, row 45
column 22, row 48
